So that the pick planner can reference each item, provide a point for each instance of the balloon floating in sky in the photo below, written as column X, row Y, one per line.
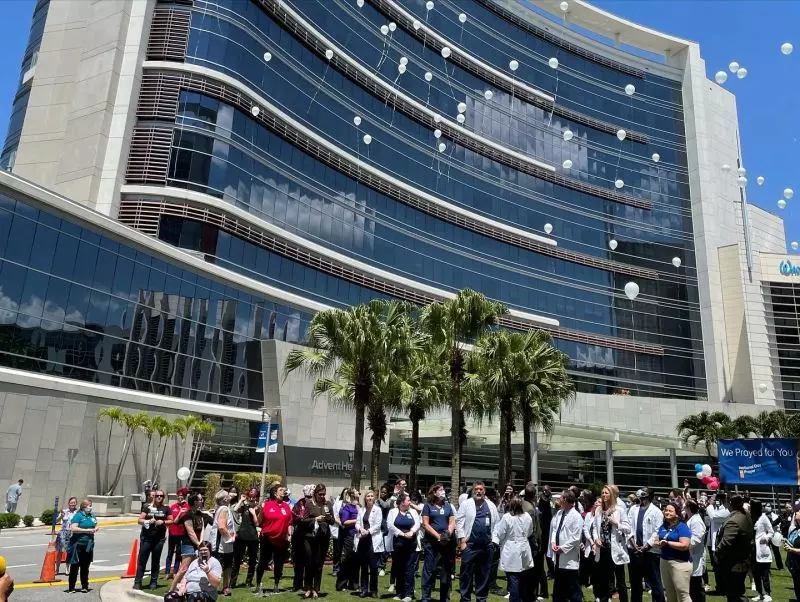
column 742, row 181
column 726, row 167
column 329, row 54
column 568, row 135
column 357, row 120
column 786, row 48
column 553, row 62
column 462, row 17
column 255, row 111
column 631, row 290
column 462, row 106
column 760, row 180
column 794, row 245
column 564, row 6
column 612, row 244
column 401, row 68
column 385, row 30
column 630, row 89
column 442, row 147
column 619, row 183
column 416, row 25
column 548, row 228
column 437, row 133
column 741, row 171
column 621, row 135
column 437, row 118
column 446, row 52
column 392, row 26
column 184, row 473
column 429, row 5
column 428, row 76
column 267, row 56
column 788, row 193
column 403, row 60
column 488, row 94
column 367, row 138
column 762, row 387
column 676, row 261
column 656, row 157
column 741, row 73
column 721, row 77
column 360, row 3
column 733, row 66
column 460, row 118
column 513, row 65
column 781, row 204
column 567, row 163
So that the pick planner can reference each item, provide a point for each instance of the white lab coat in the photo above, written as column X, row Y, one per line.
column 653, row 519
column 764, row 531
column 395, row 532
column 619, row 535
column 569, row 539
column 697, row 547
column 718, row 517
column 337, row 506
column 465, row 517
column 512, row 535
column 588, row 533
column 375, row 519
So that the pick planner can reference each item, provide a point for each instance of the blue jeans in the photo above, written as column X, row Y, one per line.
column 514, row 587
column 567, row 586
column 148, row 550
column 173, row 551
column 437, row 558
column 405, row 555
column 476, row 567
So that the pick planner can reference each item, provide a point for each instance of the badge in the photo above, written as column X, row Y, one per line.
column 283, row 511
column 488, row 522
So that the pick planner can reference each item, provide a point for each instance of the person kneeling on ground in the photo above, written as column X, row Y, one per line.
column 199, row 582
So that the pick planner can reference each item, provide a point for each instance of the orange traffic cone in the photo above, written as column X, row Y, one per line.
column 133, row 561
column 48, row 574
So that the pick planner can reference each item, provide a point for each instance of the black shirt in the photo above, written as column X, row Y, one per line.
column 152, row 512
column 247, row 528
column 195, row 521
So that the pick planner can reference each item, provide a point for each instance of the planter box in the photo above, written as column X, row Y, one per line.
column 107, row 505
column 133, row 503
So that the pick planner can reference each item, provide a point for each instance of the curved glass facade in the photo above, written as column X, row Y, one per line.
column 277, row 52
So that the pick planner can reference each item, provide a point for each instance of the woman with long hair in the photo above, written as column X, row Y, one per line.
column 697, row 551
column 62, row 542
column 369, row 544
column 276, row 524
column 611, row 530
column 316, row 532
column 348, row 521
column 221, row 536
column 404, row 523
column 154, row 518
column 438, row 543
column 674, row 538
column 193, row 521
column 335, row 528
column 763, row 550
column 81, row 545
column 246, row 537
column 516, row 559
column 792, row 546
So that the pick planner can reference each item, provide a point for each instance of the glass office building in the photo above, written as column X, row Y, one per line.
column 339, row 151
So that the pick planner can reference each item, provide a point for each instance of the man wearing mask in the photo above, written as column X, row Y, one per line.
column 645, row 520
column 533, row 578
column 733, row 549
column 565, row 545
column 299, row 513
column 475, row 520
column 717, row 514
column 384, row 502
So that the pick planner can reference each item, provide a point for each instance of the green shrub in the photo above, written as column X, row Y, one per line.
column 47, row 516
column 213, row 484
column 245, row 480
column 9, row 520
column 27, row 520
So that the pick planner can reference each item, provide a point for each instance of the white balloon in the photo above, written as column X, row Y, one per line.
column 462, row 106
column 567, row 163
column 437, row 118
column 267, row 57
column 733, row 66
column 184, row 473
column 777, row 539
column 462, row 17
column 781, row 204
column 676, row 261
column 446, row 52
column 788, row 193
column 726, row 167
column 741, row 171
column 437, row 133
column 760, row 180
column 741, row 73
column 329, row 54
column 367, row 138
column 429, row 5
column 442, row 147
column 568, row 135
column 403, row 60
column 385, row 30
column 553, row 62
column 721, row 77
column 416, row 24
column 794, row 245
column 619, row 183
column 786, row 48
column 762, row 387
column 631, row 290
column 564, row 6
column 700, row 475
column 360, row 3
column 513, row 65
column 612, row 244
column 428, row 76
column 392, row 26
column 630, row 89
column 488, row 94
column 656, row 157
column 742, row 181
column 401, row 69
column 621, row 135
column 255, row 111
column 460, row 118
column 706, row 470
column 548, row 228
column 357, row 120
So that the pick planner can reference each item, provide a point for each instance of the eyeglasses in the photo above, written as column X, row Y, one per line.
column 159, row 495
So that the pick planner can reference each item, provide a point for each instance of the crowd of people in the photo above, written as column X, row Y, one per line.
column 569, row 541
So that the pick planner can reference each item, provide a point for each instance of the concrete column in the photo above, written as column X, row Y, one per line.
column 673, row 467
column 534, row 456
column 609, row 462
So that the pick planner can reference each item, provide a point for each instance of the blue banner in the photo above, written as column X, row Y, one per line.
column 759, row 462
column 274, row 429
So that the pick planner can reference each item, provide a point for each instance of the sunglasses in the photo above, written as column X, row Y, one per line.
column 159, row 495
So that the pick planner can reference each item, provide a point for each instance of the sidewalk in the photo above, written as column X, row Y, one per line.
column 108, row 521
column 120, row 591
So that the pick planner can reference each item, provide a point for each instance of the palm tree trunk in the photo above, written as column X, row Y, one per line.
column 137, row 461
column 527, row 451
column 178, row 460
column 455, row 442
column 157, row 475
column 358, row 447
column 98, row 474
column 108, row 454
column 412, row 471
column 504, row 471
column 375, row 463
column 125, row 449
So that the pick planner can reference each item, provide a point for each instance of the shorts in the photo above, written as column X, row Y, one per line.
column 188, row 549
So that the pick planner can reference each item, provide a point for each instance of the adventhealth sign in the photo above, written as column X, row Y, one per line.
column 759, row 462
column 787, row 268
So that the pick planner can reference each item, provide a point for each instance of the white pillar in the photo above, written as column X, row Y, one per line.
column 609, row 462
column 534, row 456
column 673, row 467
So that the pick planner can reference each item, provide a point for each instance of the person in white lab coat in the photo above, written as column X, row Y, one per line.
column 717, row 513
column 763, row 537
column 511, row 536
column 476, row 521
column 565, row 544
column 697, row 549
column 645, row 520
column 369, row 544
column 611, row 530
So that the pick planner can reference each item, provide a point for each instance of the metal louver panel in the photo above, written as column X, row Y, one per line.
column 148, row 161
column 143, row 213
column 158, row 96
column 169, row 34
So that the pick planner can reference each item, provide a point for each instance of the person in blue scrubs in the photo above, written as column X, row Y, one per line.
column 439, row 525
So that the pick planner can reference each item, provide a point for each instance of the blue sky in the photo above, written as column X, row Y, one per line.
column 748, row 31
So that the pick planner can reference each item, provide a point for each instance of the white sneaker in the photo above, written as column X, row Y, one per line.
column 757, row 599
column 753, row 586
column 507, row 596
column 539, row 599
column 408, row 599
column 381, row 573
column 390, row 589
column 766, row 598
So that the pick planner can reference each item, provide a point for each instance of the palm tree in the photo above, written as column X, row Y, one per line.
column 200, row 433
column 452, row 325
column 179, row 432
column 788, row 424
column 142, row 421
column 347, row 349
column 708, row 427
column 114, row 416
column 765, row 424
column 163, row 428
column 132, row 423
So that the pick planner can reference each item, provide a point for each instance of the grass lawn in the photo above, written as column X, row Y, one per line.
column 781, row 589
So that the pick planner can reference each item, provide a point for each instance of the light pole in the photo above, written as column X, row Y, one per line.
column 266, row 420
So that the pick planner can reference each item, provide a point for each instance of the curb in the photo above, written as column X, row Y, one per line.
column 134, row 593
column 120, row 590
column 122, row 522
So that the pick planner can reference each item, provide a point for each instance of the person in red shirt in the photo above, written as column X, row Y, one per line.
column 276, row 525
column 176, row 532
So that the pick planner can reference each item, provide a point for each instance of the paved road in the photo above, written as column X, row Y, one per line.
column 24, row 552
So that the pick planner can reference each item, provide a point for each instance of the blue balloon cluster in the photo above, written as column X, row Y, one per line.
column 698, row 467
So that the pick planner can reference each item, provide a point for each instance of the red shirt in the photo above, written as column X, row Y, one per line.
column 177, row 530
column 276, row 518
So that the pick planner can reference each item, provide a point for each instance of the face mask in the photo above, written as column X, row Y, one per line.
column 479, row 495
column 440, row 494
